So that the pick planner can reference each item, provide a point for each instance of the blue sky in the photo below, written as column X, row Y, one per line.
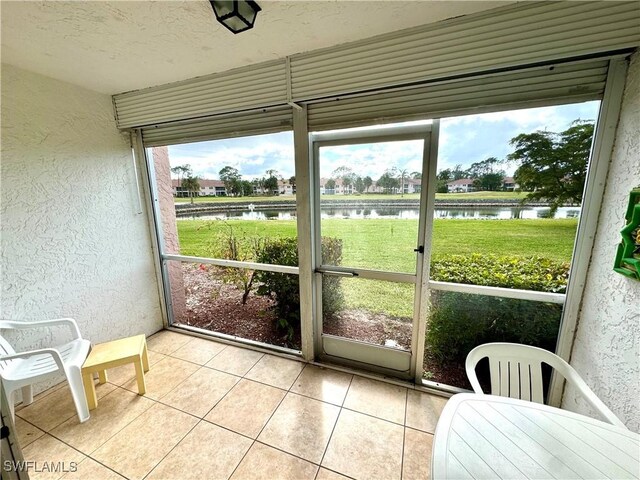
column 463, row 140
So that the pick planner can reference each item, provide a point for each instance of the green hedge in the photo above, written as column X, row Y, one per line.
column 527, row 273
column 458, row 322
column 284, row 288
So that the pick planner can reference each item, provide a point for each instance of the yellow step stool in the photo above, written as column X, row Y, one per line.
column 111, row 355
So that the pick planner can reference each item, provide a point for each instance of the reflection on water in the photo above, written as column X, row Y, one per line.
column 506, row 213
column 240, row 215
column 490, row 213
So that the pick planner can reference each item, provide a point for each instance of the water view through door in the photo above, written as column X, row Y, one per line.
column 368, row 268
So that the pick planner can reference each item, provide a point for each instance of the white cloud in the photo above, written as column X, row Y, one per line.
column 252, row 156
column 463, row 140
column 372, row 159
column 472, row 138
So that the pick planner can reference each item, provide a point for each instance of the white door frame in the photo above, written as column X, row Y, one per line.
column 352, row 352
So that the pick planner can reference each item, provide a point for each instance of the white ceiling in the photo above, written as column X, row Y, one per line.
column 117, row 46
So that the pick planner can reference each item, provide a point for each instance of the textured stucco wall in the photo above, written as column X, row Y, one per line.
column 162, row 169
column 606, row 352
column 73, row 241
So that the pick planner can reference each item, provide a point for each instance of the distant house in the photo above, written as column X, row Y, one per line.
column 411, row 185
column 208, row 187
column 339, row 188
column 285, row 188
column 509, row 184
column 462, row 185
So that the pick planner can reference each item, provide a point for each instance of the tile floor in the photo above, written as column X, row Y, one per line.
column 216, row 412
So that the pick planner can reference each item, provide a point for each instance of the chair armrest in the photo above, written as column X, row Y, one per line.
column 574, row 378
column 70, row 322
column 40, row 351
column 592, row 399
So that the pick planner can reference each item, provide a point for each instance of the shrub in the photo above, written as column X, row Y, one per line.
column 332, row 296
column 284, row 288
column 527, row 273
column 240, row 248
column 458, row 322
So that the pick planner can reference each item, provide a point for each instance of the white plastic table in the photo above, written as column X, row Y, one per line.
column 485, row 436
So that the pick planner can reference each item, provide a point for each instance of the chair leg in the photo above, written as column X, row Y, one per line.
column 74, row 376
column 12, row 403
column 27, row 395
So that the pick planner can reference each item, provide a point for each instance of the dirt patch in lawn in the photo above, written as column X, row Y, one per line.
column 215, row 305
column 446, row 373
column 369, row 327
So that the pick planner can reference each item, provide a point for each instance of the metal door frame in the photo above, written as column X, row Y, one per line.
column 386, row 360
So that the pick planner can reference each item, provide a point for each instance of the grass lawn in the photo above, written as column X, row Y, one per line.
column 516, row 196
column 387, row 244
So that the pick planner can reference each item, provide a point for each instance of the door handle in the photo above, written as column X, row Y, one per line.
column 420, row 249
column 336, row 273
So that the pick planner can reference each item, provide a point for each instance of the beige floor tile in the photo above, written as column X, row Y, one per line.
column 89, row 469
column 235, row 360
column 163, row 377
column 266, row 463
column 44, row 393
column 379, row 399
column 122, row 374
column 201, row 391
column 199, row 350
column 301, row 426
column 51, row 410
column 416, row 462
column 115, row 411
column 323, row 384
column 207, row 452
column 142, row 444
column 246, row 408
column 423, row 410
column 365, row 447
column 52, row 458
column 276, row 371
column 26, row 432
column 167, row 342
column 324, row 474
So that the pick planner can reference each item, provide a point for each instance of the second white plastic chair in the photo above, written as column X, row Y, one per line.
column 516, row 372
column 21, row 370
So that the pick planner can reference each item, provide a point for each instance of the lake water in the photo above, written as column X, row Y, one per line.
column 473, row 213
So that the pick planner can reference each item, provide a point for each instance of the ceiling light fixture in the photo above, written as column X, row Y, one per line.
column 236, row 15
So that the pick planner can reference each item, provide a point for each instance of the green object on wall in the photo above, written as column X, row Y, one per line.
column 628, row 255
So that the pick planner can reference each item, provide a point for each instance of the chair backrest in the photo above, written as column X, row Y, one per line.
column 5, row 349
column 516, row 372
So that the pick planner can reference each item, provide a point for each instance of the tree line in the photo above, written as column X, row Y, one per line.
column 551, row 167
column 392, row 180
column 268, row 184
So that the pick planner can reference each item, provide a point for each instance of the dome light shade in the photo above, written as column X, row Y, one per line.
column 236, row 15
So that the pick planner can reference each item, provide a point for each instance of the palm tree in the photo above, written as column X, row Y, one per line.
column 181, row 170
column 368, row 181
column 404, row 173
column 192, row 185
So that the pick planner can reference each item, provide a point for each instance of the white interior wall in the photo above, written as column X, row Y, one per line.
column 606, row 352
column 74, row 242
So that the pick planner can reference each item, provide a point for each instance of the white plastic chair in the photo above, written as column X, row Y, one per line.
column 516, row 372
column 23, row 369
